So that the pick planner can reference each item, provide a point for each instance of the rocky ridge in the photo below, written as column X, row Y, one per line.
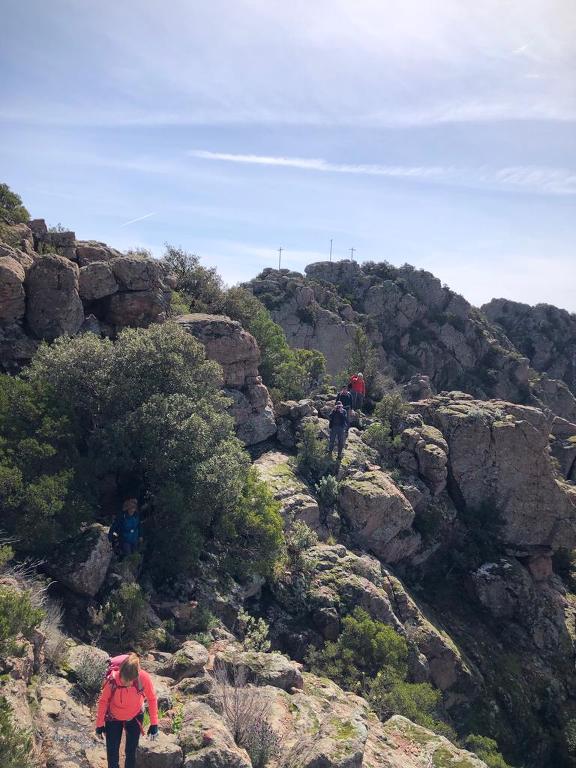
column 417, row 325
column 452, row 543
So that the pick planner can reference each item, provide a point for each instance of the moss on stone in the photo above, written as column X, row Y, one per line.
column 445, row 758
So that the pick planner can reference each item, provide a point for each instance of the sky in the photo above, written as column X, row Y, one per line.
column 441, row 133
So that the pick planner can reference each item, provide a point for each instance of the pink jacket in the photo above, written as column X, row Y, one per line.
column 125, row 702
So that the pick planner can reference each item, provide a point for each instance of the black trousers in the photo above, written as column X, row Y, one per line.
column 114, row 730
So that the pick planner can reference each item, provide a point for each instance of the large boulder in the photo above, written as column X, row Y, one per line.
column 137, row 273
column 81, row 563
column 296, row 502
column 499, row 461
column 261, row 668
column 237, row 352
column 375, row 509
column 206, row 740
column 135, row 309
column 53, row 306
column 12, row 296
column 188, row 661
column 96, row 281
column 403, row 744
column 89, row 251
column 425, row 452
column 226, row 342
column 339, row 581
column 165, row 752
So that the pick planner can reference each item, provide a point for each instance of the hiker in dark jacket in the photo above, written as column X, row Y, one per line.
column 338, row 422
column 345, row 397
column 126, row 527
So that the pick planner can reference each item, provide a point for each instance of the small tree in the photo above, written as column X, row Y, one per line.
column 125, row 614
column 18, row 617
column 11, row 209
column 199, row 287
column 312, row 460
column 363, row 357
column 487, row 750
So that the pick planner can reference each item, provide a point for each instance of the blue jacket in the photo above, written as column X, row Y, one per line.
column 127, row 527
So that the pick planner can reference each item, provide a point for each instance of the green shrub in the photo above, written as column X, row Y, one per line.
column 290, row 372
column 178, row 304
column 15, row 744
column 199, row 288
column 255, row 632
column 252, row 530
column 418, row 702
column 487, row 750
column 364, row 649
column 300, row 536
column 371, row 659
column 378, row 436
column 327, row 489
column 312, row 459
column 40, row 500
column 148, row 410
column 391, row 410
column 125, row 615
column 18, row 617
column 11, row 209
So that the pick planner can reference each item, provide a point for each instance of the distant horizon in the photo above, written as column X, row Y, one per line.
column 425, row 132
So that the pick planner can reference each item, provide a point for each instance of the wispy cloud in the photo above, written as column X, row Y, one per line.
column 557, row 181
column 140, row 218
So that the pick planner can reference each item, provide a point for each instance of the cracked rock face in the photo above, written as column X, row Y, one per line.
column 498, row 459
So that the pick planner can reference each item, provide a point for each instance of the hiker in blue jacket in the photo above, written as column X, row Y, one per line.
column 126, row 527
column 338, row 422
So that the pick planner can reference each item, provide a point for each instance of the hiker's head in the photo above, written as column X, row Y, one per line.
column 360, row 375
column 339, row 407
column 130, row 505
column 130, row 669
column 344, row 388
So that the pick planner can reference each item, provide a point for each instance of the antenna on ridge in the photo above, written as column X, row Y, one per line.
column 280, row 258
column 352, row 250
column 330, row 249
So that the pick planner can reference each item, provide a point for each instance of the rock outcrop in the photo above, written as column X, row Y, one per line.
column 498, row 458
column 52, row 285
column 236, row 350
column 297, row 503
column 417, row 325
column 376, row 512
column 545, row 334
column 81, row 563
column 54, row 307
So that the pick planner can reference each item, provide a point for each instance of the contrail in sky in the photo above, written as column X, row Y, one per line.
column 140, row 218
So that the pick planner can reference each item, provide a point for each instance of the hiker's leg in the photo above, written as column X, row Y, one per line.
column 332, row 440
column 132, row 738
column 113, row 738
column 341, row 435
column 360, row 401
column 126, row 548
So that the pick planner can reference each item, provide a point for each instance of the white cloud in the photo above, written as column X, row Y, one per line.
column 556, row 181
column 330, row 62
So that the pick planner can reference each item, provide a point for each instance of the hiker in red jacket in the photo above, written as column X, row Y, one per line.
column 121, row 706
column 357, row 387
